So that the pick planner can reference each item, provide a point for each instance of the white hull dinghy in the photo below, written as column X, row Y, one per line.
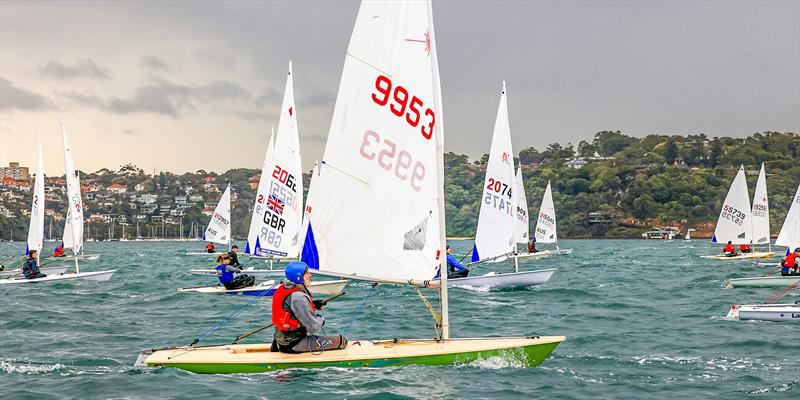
column 762, row 281
column 258, row 273
column 741, row 256
column 98, row 276
column 766, row 312
column 494, row 280
column 323, row 288
column 17, row 273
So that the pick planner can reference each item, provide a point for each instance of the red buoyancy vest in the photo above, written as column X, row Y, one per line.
column 210, row 246
column 791, row 260
column 59, row 252
column 281, row 317
column 729, row 249
column 744, row 247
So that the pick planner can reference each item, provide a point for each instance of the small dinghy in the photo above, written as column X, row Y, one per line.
column 494, row 280
column 740, row 256
column 324, row 288
column 766, row 312
column 762, row 281
column 99, row 276
column 258, row 273
column 257, row 358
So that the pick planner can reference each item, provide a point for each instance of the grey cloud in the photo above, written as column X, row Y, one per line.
column 154, row 63
column 83, row 68
column 14, row 97
column 147, row 99
column 269, row 97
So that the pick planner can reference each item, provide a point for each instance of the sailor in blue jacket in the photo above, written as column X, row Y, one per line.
column 454, row 268
column 225, row 273
column 31, row 267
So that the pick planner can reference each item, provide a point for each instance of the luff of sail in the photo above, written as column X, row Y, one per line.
column 379, row 217
column 760, row 209
column 219, row 226
column 494, row 236
column 36, row 226
column 790, row 231
column 546, row 229
column 258, row 203
column 73, row 230
column 523, row 219
column 280, row 202
column 735, row 218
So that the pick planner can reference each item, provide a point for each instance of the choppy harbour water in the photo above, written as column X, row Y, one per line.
column 643, row 320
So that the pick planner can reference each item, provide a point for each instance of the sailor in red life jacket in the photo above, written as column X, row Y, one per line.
column 729, row 250
column 59, row 251
column 532, row 246
column 745, row 248
column 791, row 262
column 295, row 318
column 210, row 247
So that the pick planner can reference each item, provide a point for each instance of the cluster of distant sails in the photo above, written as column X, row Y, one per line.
column 73, row 229
column 741, row 224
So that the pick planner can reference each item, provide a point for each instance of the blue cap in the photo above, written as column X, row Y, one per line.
column 295, row 271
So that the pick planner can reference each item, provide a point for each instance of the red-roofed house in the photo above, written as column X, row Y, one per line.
column 117, row 188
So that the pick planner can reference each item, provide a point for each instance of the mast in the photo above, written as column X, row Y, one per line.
column 437, row 90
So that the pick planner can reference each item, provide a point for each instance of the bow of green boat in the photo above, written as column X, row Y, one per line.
column 255, row 358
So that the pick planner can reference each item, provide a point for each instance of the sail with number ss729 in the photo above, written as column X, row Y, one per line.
column 761, row 210
column 279, row 205
column 735, row 222
column 546, row 229
column 36, row 226
column 790, row 231
column 494, row 237
column 521, row 226
column 379, row 217
column 219, row 227
column 73, row 229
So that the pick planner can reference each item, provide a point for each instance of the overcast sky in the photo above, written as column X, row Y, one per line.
column 181, row 86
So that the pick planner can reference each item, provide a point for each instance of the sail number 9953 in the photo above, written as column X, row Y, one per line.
column 401, row 105
column 389, row 158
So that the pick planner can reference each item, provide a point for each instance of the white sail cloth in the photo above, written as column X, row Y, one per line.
column 735, row 218
column 546, row 229
column 790, row 231
column 495, row 235
column 761, row 234
column 36, row 226
column 521, row 225
column 219, row 227
column 73, row 229
column 379, row 216
column 279, row 201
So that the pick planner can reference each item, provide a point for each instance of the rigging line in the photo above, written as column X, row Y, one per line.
column 227, row 319
column 335, row 168
column 465, row 255
column 783, row 292
column 359, row 313
column 436, row 316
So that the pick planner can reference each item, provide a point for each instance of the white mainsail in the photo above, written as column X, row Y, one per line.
column 280, row 207
column 761, row 210
column 521, row 226
column 36, row 227
column 380, row 217
column 219, row 227
column 494, row 236
column 73, row 229
column 309, row 199
column 258, row 202
column 546, row 230
column 735, row 219
column 790, row 231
